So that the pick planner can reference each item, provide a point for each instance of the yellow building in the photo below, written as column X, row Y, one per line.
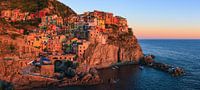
column 101, row 23
column 37, row 43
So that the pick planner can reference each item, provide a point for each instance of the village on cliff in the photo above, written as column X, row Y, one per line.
column 57, row 38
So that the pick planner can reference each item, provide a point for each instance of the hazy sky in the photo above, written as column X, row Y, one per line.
column 150, row 18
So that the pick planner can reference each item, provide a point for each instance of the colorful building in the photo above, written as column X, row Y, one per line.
column 109, row 18
column 53, row 19
column 71, row 57
column 6, row 14
column 82, row 47
column 92, row 22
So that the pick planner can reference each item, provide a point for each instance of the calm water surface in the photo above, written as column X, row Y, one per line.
column 182, row 53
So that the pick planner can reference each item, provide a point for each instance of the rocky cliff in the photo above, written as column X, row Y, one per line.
column 120, row 48
column 34, row 7
column 12, row 72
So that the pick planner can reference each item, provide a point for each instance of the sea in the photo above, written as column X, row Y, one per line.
column 180, row 53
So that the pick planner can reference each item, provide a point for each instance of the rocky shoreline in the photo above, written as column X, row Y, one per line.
column 11, row 73
column 24, row 82
column 149, row 61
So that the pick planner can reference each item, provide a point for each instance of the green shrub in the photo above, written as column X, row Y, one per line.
column 11, row 48
column 7, row 58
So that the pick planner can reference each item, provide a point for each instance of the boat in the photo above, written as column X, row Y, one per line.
column 116, row 67
column 141, row 67
column 113, row 68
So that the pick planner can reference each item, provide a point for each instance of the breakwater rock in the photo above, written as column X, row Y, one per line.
column 149, row 61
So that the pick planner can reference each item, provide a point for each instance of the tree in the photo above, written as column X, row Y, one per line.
column 11, row 48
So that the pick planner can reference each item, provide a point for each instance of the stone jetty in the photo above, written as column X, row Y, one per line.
column 149, row 61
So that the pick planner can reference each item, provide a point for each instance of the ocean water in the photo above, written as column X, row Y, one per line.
column 181, row 53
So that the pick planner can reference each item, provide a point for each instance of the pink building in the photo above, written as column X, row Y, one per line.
column 82, row 48
column 15, row 15
column 93, row 22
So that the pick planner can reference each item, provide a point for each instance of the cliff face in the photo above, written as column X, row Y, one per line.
column 101, row 55
column 121, row 47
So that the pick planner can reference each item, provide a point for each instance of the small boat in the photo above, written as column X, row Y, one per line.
column 141, row 67
column 116, row 67
column 113, row 68
column 113, row 81
column 31, row 62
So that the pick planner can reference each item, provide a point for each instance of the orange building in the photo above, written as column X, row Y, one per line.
column 59, row 21
column 54, row 46
column 6, row 14
column 109, row 18
column 99, row 14
column 70, row 57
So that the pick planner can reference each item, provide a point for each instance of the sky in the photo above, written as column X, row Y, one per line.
column 150, row 19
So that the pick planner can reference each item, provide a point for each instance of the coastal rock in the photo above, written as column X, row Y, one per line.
column 103, row 55
column 115, row 51
column 86, row 78
column 12, row 73
column 93, row 71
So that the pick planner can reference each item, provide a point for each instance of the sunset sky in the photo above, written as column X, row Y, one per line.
column 150, row 19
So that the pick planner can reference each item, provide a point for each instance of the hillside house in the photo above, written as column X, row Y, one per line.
column 71, row 57
column 53, row 19
column 109, row 18
column 54, row 46
column 6, row 14
column 82, row 47
column 15, row 15
column 99, row 14
column 101, row 24
column 92, row 22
